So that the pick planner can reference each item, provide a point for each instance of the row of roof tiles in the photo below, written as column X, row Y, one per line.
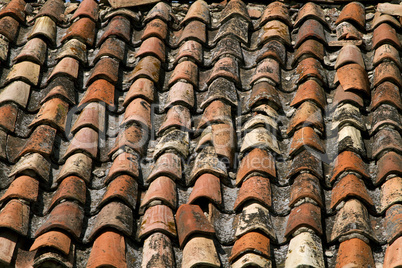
column 114, row 222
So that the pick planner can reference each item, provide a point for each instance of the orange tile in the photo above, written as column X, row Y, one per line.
column 87, row 8
column 306, row 161
column 391, row 193
column 309, row 48
column 275, row 30
column 256, row 188
column 306, row 185
column 9, row 114
column 157, row 28
column 225, row 67
column 163, row 189
column 305, row 215
column 102, row 91
column 68, row 216
column 114, row 215
column 216, row 111
column 106, row 68
column 118, row 26
column 353, row 77
column 310, row 29
column 124, row 163
column 311, row 68
column 53, row 9
column 23, row 187
column 15, row 9
column 83, row 30
column 385, row 34
column 113, row 47
column 186, row 70
column 124, row 188
column 152, row 46
column 191, row 49
column 134, row 137
column 257, row 160
column 349, row 54
column 206, row 186
column 354, row 252
column 176, row 117
column 139, row 112
column 310, row 91
column 389, row 163
column 355, row 13
column 15, row 216
column 34, row 50
column 303, row 138
column 310, row 10
column 350, row 186
column 341, row 96
column 308, row 114
column 348, row 161
column 71, row 188
column 53, row 239
column 85, row 140
column 387, row 71
column 234, row 7
column 393, row 223
column 181, row 93
column 386, row 93
column 191, row 220
column 158, row 218
column 273, row 49
column 148, row 67
column 263, row 92
column 251, row 242
column 393, row 254
column 54, row 113
column 109, row 249
column 141, row 88
column 386, row 52
column 386, row 139
column 92, row 116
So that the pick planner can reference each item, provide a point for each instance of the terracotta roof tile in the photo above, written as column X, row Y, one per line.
column 207, row 187
column 32, row 164
column 197, row 11
column 34, row 50
column 15, row 216
column 163, row 189
column 158, row 218
column 148, row 106
column 16, row 9
column 157, row 28
column 86, row 141
column 352, row 219
column 386, row 92
column 310, row 11
column 257, row 189
column 310, row 29
column 389, row 163
column 83, row 30
column 71, row 188
column 354, row 252
column 23, row 187
column 305, row 161
column 251, row 242
column 67, row 216
column 306, row 185
column 275, row 11
column 191, row 49
column 44, row 27
column 393, row 222
column 305, row 249
column 79, row 165
column 93, row 116
column 54, row 113
column 305, row 215
column 87, row 8
column 200, row 251
column 309, row 48
column 158, row 251
column 255, row 217
column 350, row 186
column 257, row 160
column 53, row 239
column 353, row 12
column 118, row 26
column 116, row 216
column 168, row 164
column 393, row 254
column 108, row 249
column 190, row 220
column 391, row 193
column 53, row 9
column 385, row 34
column 123, row 187
column 9, row 28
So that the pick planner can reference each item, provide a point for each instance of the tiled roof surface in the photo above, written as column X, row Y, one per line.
column 213, row 135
